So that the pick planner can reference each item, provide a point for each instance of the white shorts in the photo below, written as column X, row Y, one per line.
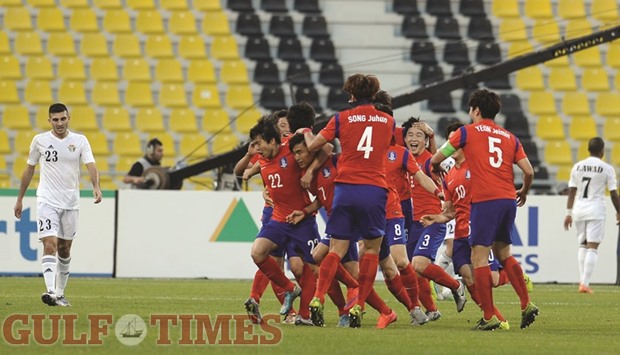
column 590, row 231
column 56, row 222
column 450, row 226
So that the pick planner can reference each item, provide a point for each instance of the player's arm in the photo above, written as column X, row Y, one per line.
column 267, row 197
column 134, row 176
column 297, row 216
column 314, row 143
column 23, row 186
column 251, row 171
column 428, row 184
column 245, row 162
column 93, row 173
column 528, row 177
column 445, row 151
column 319, row 158
column 613, row 194
column 568, row 220
column 445, row 216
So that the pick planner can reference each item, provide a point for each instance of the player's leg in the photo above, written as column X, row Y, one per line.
column 48, row 219
column 594, row 236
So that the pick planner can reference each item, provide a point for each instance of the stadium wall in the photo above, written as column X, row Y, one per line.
column 194, row 234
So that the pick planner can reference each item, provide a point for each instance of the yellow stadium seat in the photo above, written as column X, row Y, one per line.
column 604, row 10
column 538, row 9
column 41, row 3
column 51, row 20
column 99, row 144
column 606, row 104
column 106, row 94
column 3, row 167
column 123, row 165
column 562, row 79
column 127, row 144
column 38, row 92
column 83, row 119
column 19, row 166
column 39, row 68
column 116, row 119
column 563, row 172
column 206, row 96
column 546, row 32
column 17, row 19
column 5, row 148
column 582, row 128
column 83, row 20
column 94, row 45
column 41, row 118
column 28, row 43
column 169, row 146
column 216, row 120
column 207, row 6
column 158, row 47
column 201, row 71
column 216, row 24
column 149, row 22
column 61, row 45
column 595, row 79
column 558, row 62
column 613, row 55
column 590, row 57
column 569, row 9
column 582, row 150
column 74, row 4
column 506, row 8
column 223, row 143
column 550, row 127
column 192, row 47
column 194, row 144
column 141, row 4
column 103, row 69
column 5, row 48
column 136, row 70
column 234, row 72
column 5, row 181
column 22, row 142
column 169, row 71
column 558, row 152
column 108, row 4
column 71, row 68
column 8, row 92
column 116, row 21
column 127, row 46
column 246, row 120
column 512, row 29
column 575, row 103
column 172, row 95
column 224, row 48
column 615, row 154
column 183, row 121
column 611, row 129
column 139, row 94
column 150, row 120
column 542, row 103
column 577, row 27
column 72, row 93
column 530, row 78
column 173, row 5
column 182, row 23
column 9, row 68
column 16, row 117
column 239, row 97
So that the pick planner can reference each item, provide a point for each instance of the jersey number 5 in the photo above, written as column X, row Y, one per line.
column 496, row 159
column 365, row 143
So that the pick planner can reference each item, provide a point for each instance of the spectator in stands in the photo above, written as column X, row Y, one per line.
column 153, row 157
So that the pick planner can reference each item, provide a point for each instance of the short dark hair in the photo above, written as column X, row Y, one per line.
column 256, row 130
column 57, row 108
column 596, row 146
column 300, row 115
column 408, row 124
column 154, row 142
column 362, row 87
column 296, row 139
column 487, row 101
column 382, row 97
column 453, row 127
column 268, row 130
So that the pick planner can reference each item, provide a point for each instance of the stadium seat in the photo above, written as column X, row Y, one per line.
column 71, row 68
column 42, row 3
column 306, row 6
column 17, row 19
column 224, row 48
column 274, row 5
column 149, row 22
column 193, row 144
column 216, row 120
column 169, row 71
column 506, row 8
column 182, row 23
column 480, row 29
column 239, row 97
column 298, row 73
column 590, row 57
column 562, row 79
column 123, row 164
column 8, row 92
column 430, row 73
column 530, row 78
column 116, row 21
column 611, row 129
column 83, row 20
column 192, row 47
column 5, row 148
column 310, row 95
column 512, row 29
column 519, row 48
column 441, row 103
column 538, row 9
column 103, row 69
column 201, row 71
column 558, row 62
column 141, row 4
column 168, row 142
column 83, row 119
column 105, row 94
column 183, row 121
column 28, row 43
column 405, row 7
column 172, row 95
column 558, row 152
column 173, row 5
column 50, row 20
column 5, row 47
column 289, row 49
column 127, row 144
column 215, row 24
column 206, row 96
column 22, row 141
column 257, row 48
column 266, row 73
column 575, row 103
column 582, row 128
column 139, row 94
column 337, row 99
column 414, row 27
column 19, row 165
column 38, row 92
column 99, row 144
column 41, row 118
column 314, row 26
column 94, row 45
column 127, row 46
column 595, row 79
column 246, row 120
column 157, row 46
column 518, row 124
column 150, row 120
column 16, row 117
column 280, row 26
column 582, row 150
column 577, row 27
column 116, row 119
column 224, row 143
column 439, row 8
column 10, row 68
column 234, row 72
column 604, row 10
column 423, row 52
column 546, row 32
column 74, row 4
column 456, row 53
column 61, row 45
column 207, row 6
column 240, row 5
column 550, row 127
column 570, row 9
column 272, row 98
column 331, row 74
column 136, row 69
column 108, row 4
column 72, row 93
column 248, row 24
column 606, row 104
column 563, row 172
column 323, row 50
column 447, row 27
column 541, row 103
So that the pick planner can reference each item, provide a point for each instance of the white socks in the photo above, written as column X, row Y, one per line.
column 445, row 262
column 48, row 262
column 581, row 260
column 62, row 275
column 588, row 266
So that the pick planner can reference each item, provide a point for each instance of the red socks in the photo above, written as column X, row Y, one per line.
column 440, row 276
column 307, row 283
column 515, row 275
column 327, row 270
column 484, row 289
column 396, row 287
column 425, row 294
column 343, row 276
column 377, row 303
column 259, row 285
column 272, row 270
column 369, row 263
column 503, row 278
column 410, row 281
column 335, row 293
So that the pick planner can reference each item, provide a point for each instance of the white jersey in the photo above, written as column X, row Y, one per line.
column 591, row 176
column 59, row 160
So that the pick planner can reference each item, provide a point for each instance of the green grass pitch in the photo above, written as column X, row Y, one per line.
column 569, row 322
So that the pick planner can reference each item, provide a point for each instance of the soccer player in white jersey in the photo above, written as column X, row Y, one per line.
column 586, row 206
column 59, row 153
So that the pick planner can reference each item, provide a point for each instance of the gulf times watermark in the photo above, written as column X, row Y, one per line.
column 132, row 330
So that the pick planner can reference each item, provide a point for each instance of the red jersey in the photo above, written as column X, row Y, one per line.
column 282, row 177
column 365, row 134
column 399, row 165
column 456, row 187
column 424, row 202
column 392, row 206
column 399, row 136
column 491, row 152
column 322, row 185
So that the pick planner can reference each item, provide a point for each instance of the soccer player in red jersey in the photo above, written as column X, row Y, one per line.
column 360, row 193
column 491, row 152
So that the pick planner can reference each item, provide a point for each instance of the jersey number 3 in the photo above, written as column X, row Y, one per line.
column 365, row 143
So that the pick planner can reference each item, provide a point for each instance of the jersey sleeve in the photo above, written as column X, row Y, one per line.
column 571, row 180
column 520, row 153
column 329, row 131
column 446, row 192
column 34, row 155
column 409, row 164
column 87, row 153
column 612, row 183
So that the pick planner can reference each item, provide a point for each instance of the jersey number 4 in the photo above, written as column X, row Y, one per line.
column 365, row 143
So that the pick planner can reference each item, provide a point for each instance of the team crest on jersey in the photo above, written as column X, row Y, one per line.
column 326, row 173
column 71, row 148
column 283, row 162
column 391, row 155
column 467, row 175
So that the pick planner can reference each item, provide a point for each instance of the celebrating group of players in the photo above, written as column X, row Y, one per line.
column 384, row 191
